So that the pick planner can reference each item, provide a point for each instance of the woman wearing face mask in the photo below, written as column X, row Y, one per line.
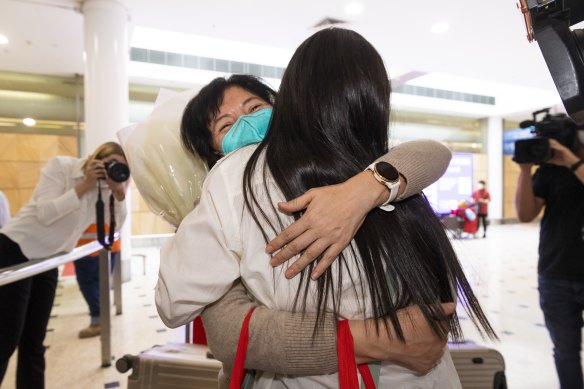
column 230, row 113
column 389, row 265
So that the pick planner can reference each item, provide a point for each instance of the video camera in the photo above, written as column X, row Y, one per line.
column 548, row 22
column 537, row 150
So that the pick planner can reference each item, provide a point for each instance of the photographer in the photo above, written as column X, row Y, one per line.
column 558, row 184
column 62, row 206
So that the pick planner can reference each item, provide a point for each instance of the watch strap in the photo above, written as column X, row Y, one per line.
column 575, row 166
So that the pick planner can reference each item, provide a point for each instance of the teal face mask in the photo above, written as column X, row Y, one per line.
column 247, row 130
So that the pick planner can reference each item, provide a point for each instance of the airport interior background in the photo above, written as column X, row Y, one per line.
column 463, row 73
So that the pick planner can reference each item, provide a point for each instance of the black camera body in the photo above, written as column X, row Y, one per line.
column 117, row 171
column 548, row 22
column 537, row 150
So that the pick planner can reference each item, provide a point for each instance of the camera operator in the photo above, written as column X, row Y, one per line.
column 558, row 184
column 62, row 206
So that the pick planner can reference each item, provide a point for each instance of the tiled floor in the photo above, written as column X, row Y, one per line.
column 501, row 267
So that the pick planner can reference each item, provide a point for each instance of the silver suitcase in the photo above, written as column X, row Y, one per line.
column 174, row 365
column 478, row 367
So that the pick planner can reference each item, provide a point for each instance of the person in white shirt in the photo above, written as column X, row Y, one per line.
column 4, row 210
column 329, row 122
column 62, row 206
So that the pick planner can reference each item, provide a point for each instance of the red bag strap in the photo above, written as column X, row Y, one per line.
column 347, row 366
column 366, row 375
column 238, row 366
column 199, row 335
column 346, row 354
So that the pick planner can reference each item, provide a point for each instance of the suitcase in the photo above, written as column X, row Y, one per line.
column 478, row 367
column 174, row 365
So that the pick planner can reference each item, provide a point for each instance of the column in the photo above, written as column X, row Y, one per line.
column 494, row 137
column 106, row 58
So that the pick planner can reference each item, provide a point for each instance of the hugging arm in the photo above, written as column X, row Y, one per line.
column 283, row 342
column 334, row 213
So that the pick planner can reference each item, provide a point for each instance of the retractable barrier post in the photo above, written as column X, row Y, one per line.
column 188, row 330
column 118, row 285
column 104, row 307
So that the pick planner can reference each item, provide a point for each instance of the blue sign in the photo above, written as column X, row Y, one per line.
column 454, row 186
column 509, row 138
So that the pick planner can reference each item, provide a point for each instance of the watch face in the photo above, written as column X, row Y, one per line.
column 387, row 171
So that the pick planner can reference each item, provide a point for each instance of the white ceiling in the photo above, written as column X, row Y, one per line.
column 485, row 51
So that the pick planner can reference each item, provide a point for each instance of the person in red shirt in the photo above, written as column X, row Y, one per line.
column 481, row 198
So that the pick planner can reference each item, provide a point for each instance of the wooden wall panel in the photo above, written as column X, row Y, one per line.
column 37, row 147
column 67, row 145
column 22, row 156
column 8, row 147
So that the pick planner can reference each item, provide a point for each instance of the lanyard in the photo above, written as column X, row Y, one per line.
column 99, row 217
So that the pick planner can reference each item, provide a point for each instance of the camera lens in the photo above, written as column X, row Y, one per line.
column 117, row 171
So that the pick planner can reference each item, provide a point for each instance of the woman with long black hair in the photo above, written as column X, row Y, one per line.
column 330, row 121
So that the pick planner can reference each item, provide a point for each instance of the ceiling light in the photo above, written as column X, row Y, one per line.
column 3, row 40
column 440, row 28
column 354, row 8
column 29, row 122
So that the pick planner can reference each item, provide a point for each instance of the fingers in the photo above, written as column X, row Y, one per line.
column 296, row 246
column 297, row 204
column 309, row 255
column 285, row 237
column 328, row 258
column 449, row 308
column 95, row 169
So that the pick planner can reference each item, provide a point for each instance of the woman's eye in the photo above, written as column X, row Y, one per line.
column 224, row 127
column 255, row 108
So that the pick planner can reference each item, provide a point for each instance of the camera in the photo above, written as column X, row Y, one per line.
column 537, row 150
column 548, row 22
column 117, row 171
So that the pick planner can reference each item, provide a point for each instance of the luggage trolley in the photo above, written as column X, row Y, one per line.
column 453, row 226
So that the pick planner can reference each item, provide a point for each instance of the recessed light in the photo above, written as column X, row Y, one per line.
column 440, row 28
column 29, row 122
column 354, row 8
column 3, row 40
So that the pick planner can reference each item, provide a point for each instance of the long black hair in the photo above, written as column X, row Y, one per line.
column 194, row 129
column 330, row 121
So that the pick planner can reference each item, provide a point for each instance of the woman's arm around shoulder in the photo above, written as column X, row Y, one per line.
column 421, row 162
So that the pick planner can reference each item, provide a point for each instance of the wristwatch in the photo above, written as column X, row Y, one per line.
column 386, row 174
column 575, row 166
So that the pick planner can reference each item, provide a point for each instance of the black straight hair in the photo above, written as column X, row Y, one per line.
column 330, row 121
column 194, row 129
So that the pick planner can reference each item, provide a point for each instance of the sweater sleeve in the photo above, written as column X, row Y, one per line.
column 421, row 162
column 279, row 341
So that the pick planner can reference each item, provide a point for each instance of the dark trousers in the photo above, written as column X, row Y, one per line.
column 482, row 219
column 25, row 307
column 562, row 303
column 87, row 273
